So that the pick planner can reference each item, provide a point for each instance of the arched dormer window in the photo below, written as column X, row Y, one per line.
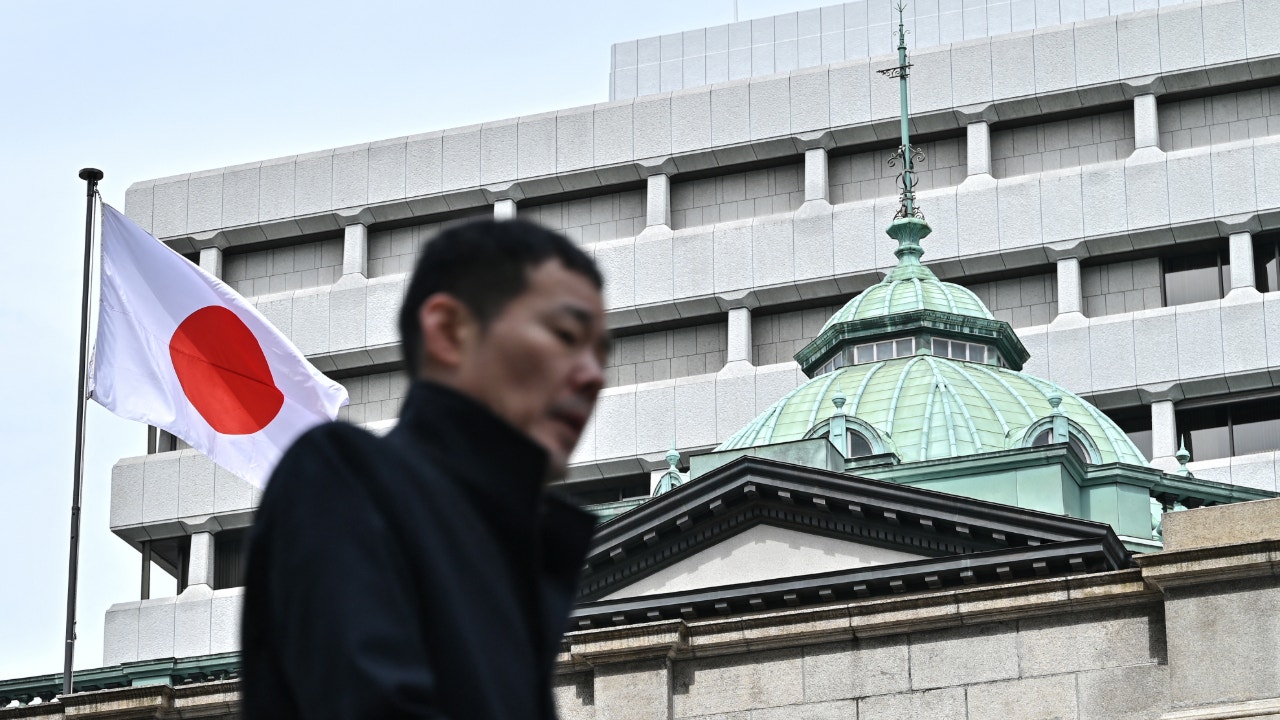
column 860, row 438
column 1042, row 433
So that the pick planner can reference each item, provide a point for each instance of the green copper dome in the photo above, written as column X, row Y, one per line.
column 897, row 294
column 927, row 408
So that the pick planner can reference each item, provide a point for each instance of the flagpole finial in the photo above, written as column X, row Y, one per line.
column 91, row 175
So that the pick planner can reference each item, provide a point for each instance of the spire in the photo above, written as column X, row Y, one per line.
column 1183, row 457
column 672, row 478
column 909, row 226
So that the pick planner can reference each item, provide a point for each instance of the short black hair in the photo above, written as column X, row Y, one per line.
column 484, row 264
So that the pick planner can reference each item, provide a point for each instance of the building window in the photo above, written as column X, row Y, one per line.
column 1136, row 423
column 959, row 350
column 1241, row 428
column 608, row 490
column 1266, row 263
column 230, row 558
column 1045, row 437
column 884, row 350
column 859, row 445
column 1195, row 278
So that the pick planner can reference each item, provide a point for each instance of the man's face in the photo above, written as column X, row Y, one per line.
column 539, row 364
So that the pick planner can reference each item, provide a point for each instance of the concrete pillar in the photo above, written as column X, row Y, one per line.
column 1164, row 430
column 200, row 566
column 1070, row 299
column 658, row 200
column 211, row 261
column 355, row 250
column 739, row 335
column 504, row 209
column 816, row 179
column 979, row 144
column 1146, row 122
column 1242, row 275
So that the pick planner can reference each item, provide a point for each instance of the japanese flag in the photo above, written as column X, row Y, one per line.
column 178, row 349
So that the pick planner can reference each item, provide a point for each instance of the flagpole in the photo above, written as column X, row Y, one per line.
column 91, row 176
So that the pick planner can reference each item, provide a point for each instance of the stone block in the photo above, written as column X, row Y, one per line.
column 634, row 690
column 1055, row 58
column 655, row 416
column 1061, row 206
column 695, row 403
column 204, row 201
column 120, row 634
column 616, row 259
column 1019, row 212
column 703, row 686
column 382, row 310
column 1190, row 186
column 1181, row 37
column 278, row 310
column 1111, row 344
column 192, row 620
column 351, row 176
column 963, row 656
column 461, row 158
column 1100, row 186
column 854, row 224
column 169, row 216
column 772, row 251
column 1097, row 51
column 730, row 113
column 276, row 189
column 837, row 671
column 574, row 696
column 575, row 130
column 928, row 705
column 156, row 628
column 615, row 421
column 499, row 156
column 813, row 241
column 1138, row 35
column 850, row 88
column 160, row 484
column 230, row 492
column 971, row 72
column 1137, row 692
column 1256, row 470
column 1215, row 632
column 1259, row 19
column 691, row 120
column 770, row 107
column 127, row 490
column 313, row 182
column 224, row 620
column 613, row 133
column 195, row 485
column 692, row 254
column 387, row 164
column 1200, row 340
column 732, row 263
column 310, row 323
column 810, row 100
column 931, row 80
column 347, row 302
column 1069, row 356
column 735, row 398
column 1074, row 642
column 651, row 127
column 1054, row 698
column 536, row 145
column 424, row 164
column 1233, row 185
column 834, row 710
column 1014, row 54
column 1244, row 345
column 654, row 269
column 139, row 202
column 1146, row 193
column 1223, row 31
column 977, row 210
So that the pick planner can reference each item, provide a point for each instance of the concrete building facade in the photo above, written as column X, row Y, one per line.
column 1104, row 178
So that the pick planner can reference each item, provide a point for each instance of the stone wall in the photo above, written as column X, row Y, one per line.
column 868, row 175
column 592, row 219
column 1020, row 301
column 778, row 337
column 292, row 267
column 737, row 196
column 1064, row 143
column 666, row 354
column 1121, row 287
column 392, row 252
column 374, row 397
column 1220, row 118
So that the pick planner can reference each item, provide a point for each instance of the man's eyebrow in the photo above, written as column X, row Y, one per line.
column 586, row 319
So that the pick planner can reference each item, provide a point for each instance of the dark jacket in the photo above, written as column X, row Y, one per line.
column 422, row 575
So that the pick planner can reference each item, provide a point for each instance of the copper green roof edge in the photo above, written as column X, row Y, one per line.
column 822, row 394
column 773, row 421
column 931, row 294
column 123, row 675
column 1120, row 444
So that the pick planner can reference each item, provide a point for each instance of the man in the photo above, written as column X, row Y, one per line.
column 428, row 574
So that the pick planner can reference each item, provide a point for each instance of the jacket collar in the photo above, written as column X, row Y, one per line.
column 476, row 446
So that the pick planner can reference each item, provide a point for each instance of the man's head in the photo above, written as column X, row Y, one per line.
column 510, row 314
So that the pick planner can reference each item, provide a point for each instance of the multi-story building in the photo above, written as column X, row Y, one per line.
column 1103, row 187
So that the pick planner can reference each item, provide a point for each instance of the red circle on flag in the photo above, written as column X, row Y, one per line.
column 223, row 371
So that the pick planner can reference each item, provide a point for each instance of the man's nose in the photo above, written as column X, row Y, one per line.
column 589, row 373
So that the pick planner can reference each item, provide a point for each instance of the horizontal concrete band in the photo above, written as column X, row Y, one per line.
column 1093, row 62
column 198, row 622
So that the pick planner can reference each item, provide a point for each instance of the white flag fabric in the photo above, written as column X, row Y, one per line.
column 179, row 349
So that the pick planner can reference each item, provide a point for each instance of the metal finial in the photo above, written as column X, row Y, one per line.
column 1183, row 456
column 906, row 154
column 838, row 400
column 673, row 457
column 1055, row 402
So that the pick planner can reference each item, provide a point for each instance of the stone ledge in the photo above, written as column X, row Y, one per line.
column 1214, row 526
column 1260, row 709
column 1171, row 569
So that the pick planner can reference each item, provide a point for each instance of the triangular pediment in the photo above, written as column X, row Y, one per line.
column 763, row 552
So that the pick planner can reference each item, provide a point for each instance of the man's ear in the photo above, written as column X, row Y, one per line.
column 449, row 329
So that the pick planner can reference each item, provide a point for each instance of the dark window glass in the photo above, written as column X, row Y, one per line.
column 607, row 490
column 1073, row 442
column 1041, row 438
column 1266, row 263
column 866, row 353
column 1255, row 427
column 1136, row 423
column 230, row 558
column 1194, row 278
column 902, row 348
column 1207, row 431
column 940, row 347
column 858, row 445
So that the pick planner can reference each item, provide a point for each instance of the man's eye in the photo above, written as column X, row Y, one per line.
column 567, row 337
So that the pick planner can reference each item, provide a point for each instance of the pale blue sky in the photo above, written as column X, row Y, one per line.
column 149, row 89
